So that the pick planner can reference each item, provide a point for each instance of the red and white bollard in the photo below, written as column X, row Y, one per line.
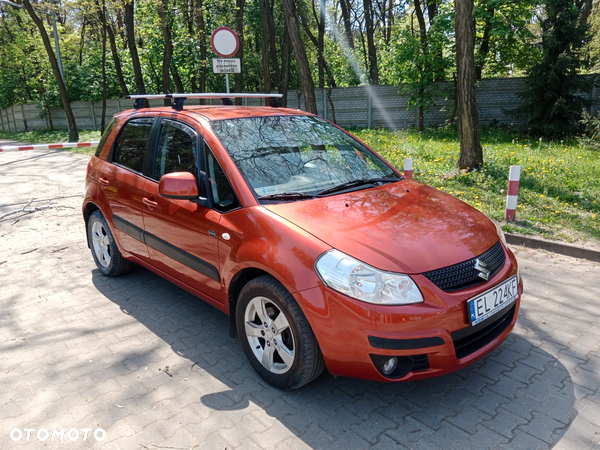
column 16, row 148
column 408, row 168
column 513, row 193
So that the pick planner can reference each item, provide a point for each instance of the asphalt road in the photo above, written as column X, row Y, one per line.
column 154, row 367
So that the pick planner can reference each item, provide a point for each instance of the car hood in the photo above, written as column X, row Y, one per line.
column 401, row 227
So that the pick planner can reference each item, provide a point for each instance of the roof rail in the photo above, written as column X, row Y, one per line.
column 179, row 98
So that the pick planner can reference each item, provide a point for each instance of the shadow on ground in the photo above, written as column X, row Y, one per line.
column 497, row 402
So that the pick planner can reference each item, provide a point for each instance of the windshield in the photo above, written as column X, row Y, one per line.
column 297, row 154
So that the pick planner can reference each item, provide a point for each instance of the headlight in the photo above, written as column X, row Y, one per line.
column 500, row 234
column 363, row 282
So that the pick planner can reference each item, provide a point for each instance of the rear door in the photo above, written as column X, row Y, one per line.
column 122, row 180
column 182, row 235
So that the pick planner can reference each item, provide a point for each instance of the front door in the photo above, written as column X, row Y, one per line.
column 181, row 235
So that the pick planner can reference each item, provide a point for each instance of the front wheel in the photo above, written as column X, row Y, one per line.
column 106, row 254
column 276, row 336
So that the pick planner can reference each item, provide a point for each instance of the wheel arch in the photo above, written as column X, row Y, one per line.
column 237, row 283
column 88, row 210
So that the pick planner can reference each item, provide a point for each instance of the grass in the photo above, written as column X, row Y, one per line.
column 53, row 137
column 559, row 196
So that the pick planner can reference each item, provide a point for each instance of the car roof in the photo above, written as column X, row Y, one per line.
column 220, row 112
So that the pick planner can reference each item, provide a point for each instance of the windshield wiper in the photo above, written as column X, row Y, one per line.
column 286, row 196
column 355, row 183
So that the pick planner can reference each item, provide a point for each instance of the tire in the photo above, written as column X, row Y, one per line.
column 106, row 254
column 285, row 352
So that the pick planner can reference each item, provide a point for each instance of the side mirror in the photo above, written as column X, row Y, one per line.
column 180, row 185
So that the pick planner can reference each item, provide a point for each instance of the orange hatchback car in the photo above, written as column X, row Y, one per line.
column 322, row 254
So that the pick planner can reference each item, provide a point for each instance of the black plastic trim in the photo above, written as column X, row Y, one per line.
column 470, row 339
column 405, row 344
column 185, row 258
column 128, row 228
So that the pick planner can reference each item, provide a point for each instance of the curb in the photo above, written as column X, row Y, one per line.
column 555, row 247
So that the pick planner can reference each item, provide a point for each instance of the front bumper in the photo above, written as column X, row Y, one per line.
column 430, row 339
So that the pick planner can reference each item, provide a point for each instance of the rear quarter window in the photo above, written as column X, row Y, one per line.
column 104, row 137
column 130, row 146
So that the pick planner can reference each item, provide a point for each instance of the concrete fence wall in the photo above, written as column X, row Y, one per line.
column 361, row 106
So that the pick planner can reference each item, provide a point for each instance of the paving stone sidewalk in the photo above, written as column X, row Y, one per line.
column 155, row 368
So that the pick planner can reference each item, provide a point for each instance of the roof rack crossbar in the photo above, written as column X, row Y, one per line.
column 217, row 95
column 179, row 98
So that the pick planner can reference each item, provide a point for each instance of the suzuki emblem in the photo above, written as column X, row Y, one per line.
column 484, row 272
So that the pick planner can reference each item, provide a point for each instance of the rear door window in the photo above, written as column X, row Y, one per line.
column 130, row 146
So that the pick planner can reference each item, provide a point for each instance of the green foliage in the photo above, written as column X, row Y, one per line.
column 512, row 31
column 591, row 136
column 552, row 105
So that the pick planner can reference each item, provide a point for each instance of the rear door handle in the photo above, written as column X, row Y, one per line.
column 149, row 202
column 104, row 181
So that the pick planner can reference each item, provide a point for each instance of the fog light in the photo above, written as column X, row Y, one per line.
column 390, row 365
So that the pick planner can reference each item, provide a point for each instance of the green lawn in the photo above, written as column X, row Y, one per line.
column 559, row 195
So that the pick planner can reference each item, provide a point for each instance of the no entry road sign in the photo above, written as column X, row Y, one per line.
column 224, row 42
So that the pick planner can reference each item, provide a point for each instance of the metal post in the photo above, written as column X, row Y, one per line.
column 227, row 82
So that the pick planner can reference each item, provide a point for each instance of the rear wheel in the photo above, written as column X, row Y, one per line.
column 106, row 254
column 276, row 336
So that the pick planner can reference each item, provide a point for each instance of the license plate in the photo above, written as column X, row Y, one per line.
column 492, row 301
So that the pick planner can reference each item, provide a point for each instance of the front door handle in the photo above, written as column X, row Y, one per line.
column 149, row 202
column 103, row 181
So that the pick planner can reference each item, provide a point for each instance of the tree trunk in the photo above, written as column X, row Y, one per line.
column 586, row 10
column 73, row 134
column 135, row 59
column 116, row 60
column 82, row 42
column 176, row 78
column 423, row 70
column 306, row 82
column 272, row 44
column 285, row 66
column 311, row 36
column 484, row 48
column 265, row 46
column 168, row 49
column 239, row 28
column 202, row 39
column 113, row 49
column 373, row 70
column 103, row 22
column 321, row 40
column 471, row 153
column 345, row 6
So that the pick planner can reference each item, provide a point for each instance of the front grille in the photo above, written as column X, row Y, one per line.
column 470, row 340
column 464, row 274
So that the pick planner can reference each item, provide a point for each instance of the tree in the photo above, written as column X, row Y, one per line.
column 73, row 133
column 551, row 103
column 239, row 28
column 306, row 82
column 129, row 8
column 168, row 48
column 471, row 153
column 372, row 51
